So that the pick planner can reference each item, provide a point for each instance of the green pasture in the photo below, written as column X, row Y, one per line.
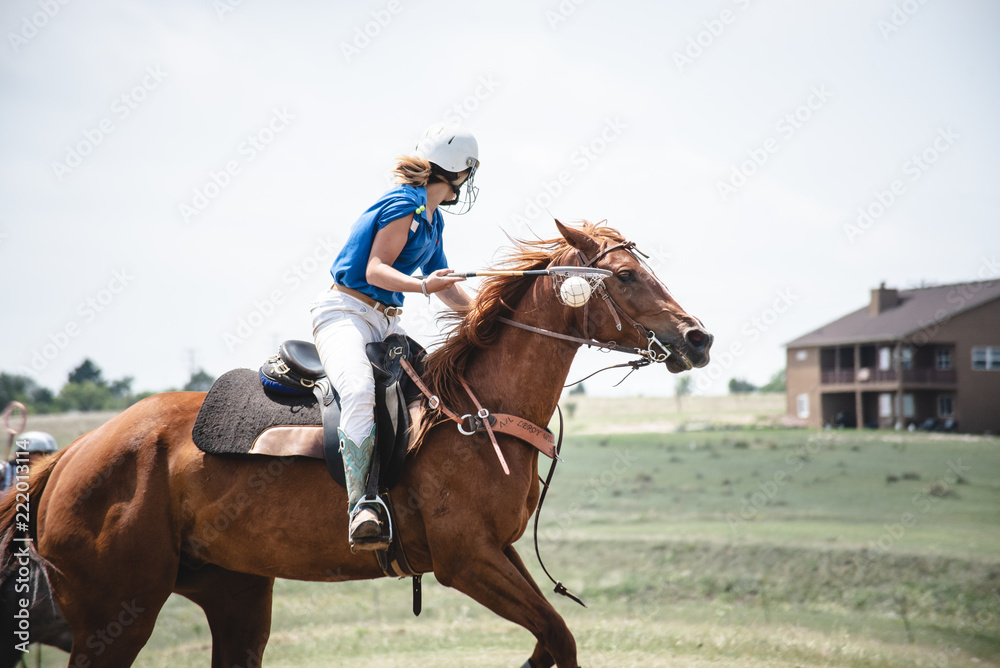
column 721, row 539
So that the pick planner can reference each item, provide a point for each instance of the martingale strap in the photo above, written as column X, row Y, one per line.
column 511, row 425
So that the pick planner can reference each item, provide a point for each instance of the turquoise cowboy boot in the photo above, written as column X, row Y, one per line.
column 365, row 530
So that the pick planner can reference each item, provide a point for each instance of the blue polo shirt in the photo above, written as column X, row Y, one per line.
column 423, row 249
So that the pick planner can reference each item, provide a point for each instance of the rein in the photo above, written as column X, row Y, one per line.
column 560, row 587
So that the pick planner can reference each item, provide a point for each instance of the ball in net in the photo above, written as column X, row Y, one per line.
column 575, row 291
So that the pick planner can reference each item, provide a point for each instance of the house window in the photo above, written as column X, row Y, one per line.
column 986, row 358
column 909, row 406
column 946, row 405
column 802, row 404
column 943, row 359
column 801, row 355
column 885, row 403
column 906, row 361
column 884, row 359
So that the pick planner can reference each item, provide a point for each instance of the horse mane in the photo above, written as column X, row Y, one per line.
column 474, row 329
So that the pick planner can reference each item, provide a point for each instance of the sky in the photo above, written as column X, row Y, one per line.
column 175, row 178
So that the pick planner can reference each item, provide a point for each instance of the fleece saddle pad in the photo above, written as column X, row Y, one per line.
column 238, row 417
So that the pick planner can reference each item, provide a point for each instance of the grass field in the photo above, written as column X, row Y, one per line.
column 706, row 537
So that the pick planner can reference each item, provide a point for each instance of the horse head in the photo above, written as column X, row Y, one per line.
column 632, row 308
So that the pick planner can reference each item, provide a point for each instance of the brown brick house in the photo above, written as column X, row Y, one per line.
column 907, row 358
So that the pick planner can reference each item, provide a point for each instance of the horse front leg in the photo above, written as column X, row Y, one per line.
column 540, row 658
column 492, row 578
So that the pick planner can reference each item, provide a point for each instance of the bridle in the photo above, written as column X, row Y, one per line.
column 654, row 351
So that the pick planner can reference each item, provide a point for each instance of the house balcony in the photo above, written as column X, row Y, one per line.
column 929, row 376
column 837, row 376
column 868, row 375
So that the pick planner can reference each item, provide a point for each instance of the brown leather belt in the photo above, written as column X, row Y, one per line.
column 389, row 311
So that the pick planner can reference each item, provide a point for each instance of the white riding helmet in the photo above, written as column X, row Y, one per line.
column 453, row 149
column 450, row 147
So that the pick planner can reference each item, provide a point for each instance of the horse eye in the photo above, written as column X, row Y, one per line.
column 625, row 276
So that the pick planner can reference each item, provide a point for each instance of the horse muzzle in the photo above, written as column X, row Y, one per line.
column 685, row 352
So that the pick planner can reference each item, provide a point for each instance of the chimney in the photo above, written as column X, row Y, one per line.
column 883, row 299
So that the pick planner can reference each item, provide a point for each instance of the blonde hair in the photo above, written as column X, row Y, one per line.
column 412, row 170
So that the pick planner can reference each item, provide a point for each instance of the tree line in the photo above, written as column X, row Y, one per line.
column 85, row 389
column 743, row 386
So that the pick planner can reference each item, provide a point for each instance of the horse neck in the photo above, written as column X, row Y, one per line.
column 524, row 372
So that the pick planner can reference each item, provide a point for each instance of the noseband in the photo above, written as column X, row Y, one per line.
column 655, row 351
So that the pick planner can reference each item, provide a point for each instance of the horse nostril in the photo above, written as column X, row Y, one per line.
column 697, row 338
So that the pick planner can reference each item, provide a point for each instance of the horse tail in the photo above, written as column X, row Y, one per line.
column 12, row 505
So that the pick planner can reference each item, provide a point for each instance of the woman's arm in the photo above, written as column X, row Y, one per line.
column 388, row 244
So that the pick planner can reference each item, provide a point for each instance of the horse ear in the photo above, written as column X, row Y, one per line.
column 578, row 239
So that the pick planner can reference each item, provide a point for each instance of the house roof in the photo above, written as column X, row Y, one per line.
column 917, row 309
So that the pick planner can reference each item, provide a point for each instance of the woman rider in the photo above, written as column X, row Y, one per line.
column 397, row 235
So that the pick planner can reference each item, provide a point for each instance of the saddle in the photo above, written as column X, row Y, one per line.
column 289, row 408
column 297, row 370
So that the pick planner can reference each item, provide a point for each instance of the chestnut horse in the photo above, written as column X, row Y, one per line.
column 133, row 510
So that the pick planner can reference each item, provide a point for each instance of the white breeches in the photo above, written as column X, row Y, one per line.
column 342, row 326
